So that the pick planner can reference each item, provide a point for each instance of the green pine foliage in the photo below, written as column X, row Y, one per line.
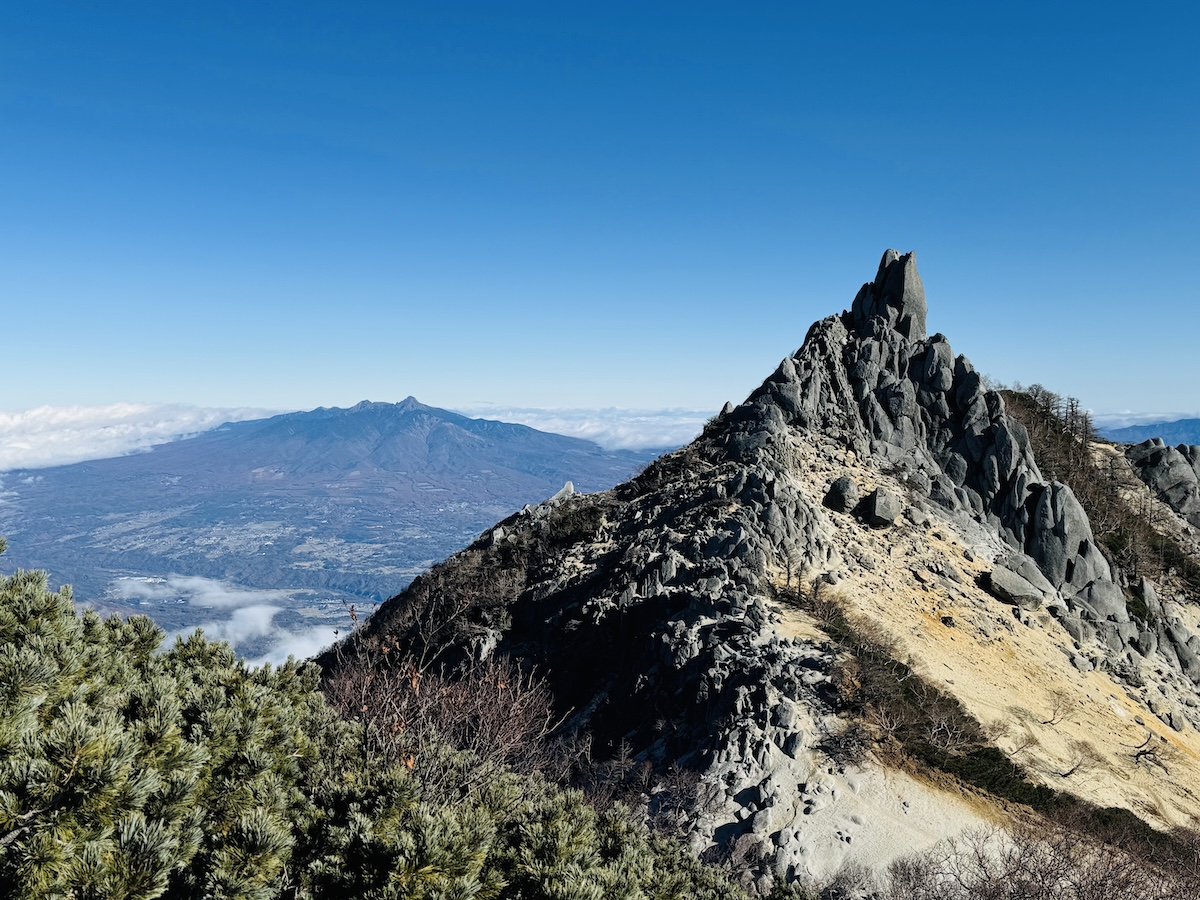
column 127, row 771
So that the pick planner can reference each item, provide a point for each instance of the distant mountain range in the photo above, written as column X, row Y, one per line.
column 345, row 504
column 1181, row 431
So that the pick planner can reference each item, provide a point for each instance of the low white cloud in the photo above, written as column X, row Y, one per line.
column 57, row 435
column 196, row 591
column 245, row 624
column 611, row 428
column 244, row 617
column 302, row 643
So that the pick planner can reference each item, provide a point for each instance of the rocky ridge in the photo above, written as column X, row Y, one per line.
column 872, row 379
column 873, row 461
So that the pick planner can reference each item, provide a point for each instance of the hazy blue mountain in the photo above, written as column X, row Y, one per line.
column 346, row 504
column 1181, row 431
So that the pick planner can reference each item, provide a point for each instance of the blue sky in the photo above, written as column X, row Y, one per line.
column 289, row 205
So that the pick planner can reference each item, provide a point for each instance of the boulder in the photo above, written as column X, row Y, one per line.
column 1172, row 473
column 1006, row 585
column 842, row 495
column 1022, row 565
column 881, row 508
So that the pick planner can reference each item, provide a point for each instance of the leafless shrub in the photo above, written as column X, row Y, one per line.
column 888, row 720
column 823, row 604
column 1028, row 863
column 457, row 606
column 1062, row 704
column 456, row 732
column 950, row 729
column 664, row 799
column 672, row 798
column 1083, row 758
column 849, row 743
column 1154, row 752
column 1021, row 739
column 852, row 881
column 1182, row 857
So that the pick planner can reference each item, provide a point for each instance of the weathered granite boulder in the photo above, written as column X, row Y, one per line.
column 1016, row 579
column 1173, row 473
column 842, row 495
column 880, row 508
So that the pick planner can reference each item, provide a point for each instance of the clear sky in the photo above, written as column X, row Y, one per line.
column 289, row 205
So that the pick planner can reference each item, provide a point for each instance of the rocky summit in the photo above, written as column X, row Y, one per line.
column 870, row 523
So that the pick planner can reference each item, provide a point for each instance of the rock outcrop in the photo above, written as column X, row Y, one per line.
column 653, row 607
column 872, row 379
column 1173, row 473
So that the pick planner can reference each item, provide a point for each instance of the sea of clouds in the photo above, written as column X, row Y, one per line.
column 57, row 435
column 611, row 428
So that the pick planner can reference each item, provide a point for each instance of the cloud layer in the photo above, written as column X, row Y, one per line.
column 52, row 436
column 56, row 435
column 243, row 617
column 611, row 428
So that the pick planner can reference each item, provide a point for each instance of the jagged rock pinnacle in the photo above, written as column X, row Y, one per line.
column 656, row 606
column 872, row 380
column 896, row 295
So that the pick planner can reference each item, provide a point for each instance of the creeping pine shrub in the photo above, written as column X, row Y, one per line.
column 130, row 772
